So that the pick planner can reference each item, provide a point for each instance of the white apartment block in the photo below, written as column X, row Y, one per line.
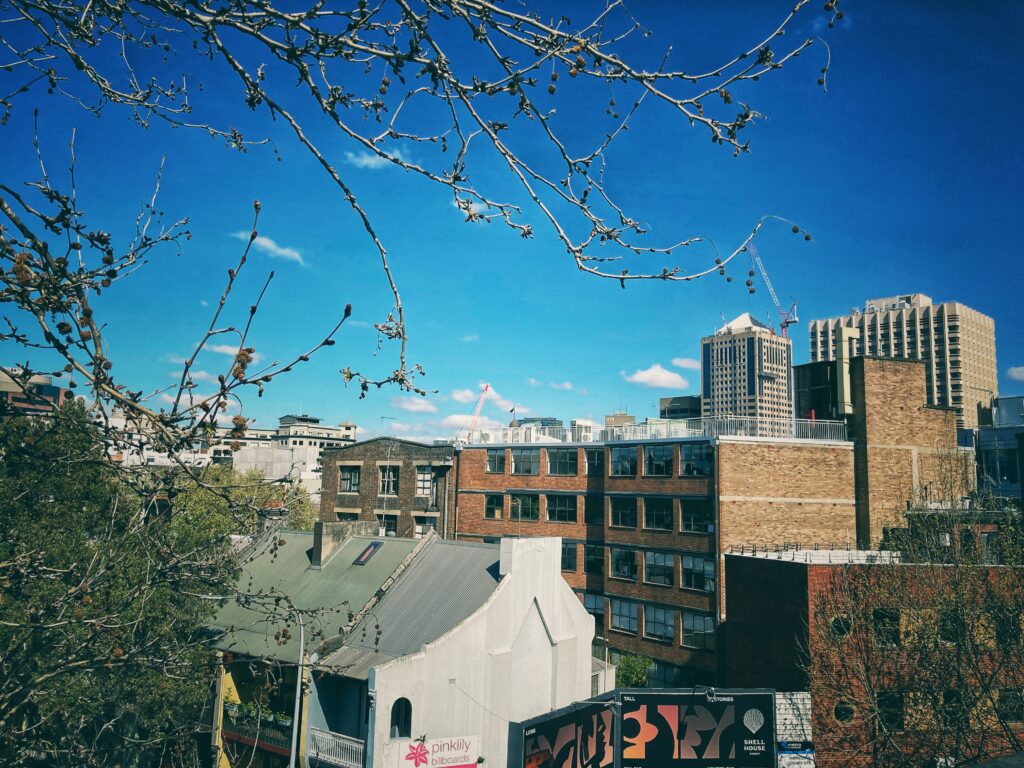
column 956, row 343
column 746, row 371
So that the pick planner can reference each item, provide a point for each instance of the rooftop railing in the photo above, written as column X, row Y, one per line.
column 662, row 429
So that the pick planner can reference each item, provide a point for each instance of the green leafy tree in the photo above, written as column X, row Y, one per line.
column 631, row 671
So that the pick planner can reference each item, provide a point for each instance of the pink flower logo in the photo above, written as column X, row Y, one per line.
column 418, row 754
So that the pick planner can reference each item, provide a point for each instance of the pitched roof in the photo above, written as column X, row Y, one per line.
column 446, row 583
column 744, row 322
column 282, row 564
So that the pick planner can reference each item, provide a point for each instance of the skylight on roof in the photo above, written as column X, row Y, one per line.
column 366, row 554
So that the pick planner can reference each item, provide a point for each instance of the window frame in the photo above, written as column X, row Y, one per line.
column 615, row 612
column 699, row 465
column 622, row 456
column 566, row 548
column 525, row 461
column 700, row 576
column 652, row 463
column 495, row 457
column 671, row 514
column 612, row 517
column 429, row 476
column 597, row 465
column 670, row 624
column 558, row 498
column 488, row 500
column 708, row 518
column 357, row 471
column 700, row 637
column 389, row 477
column 518, row 516
column 613, row 570
column 563, row 462
column 670, row 565
column 593, row 553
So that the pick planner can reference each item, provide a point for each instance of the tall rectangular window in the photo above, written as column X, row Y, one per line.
column 623, row 459
column 525, row 461
column 348, row 479
column 886, row 623
column 563, row 461
column 594, row 604
column 389, row 481
column 562, row 509
column 593, row 509
column 593, row 559
column 694, row 459
column 624, row 511
column 658, row 460
column 698, row 630
column 659, row 568
column 624, row 564
column 424, row 481
column 623, row 615
column 494, row 505
column 524, row 506
column 496, row 460
column 657, row 513
column 568, row 557
column 1010, row 705
column 699, row 573
column 697, row 516
column 595, row 462
column 659, row 623
column 890, row 710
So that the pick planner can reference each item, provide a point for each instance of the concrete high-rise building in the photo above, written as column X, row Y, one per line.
column 746, row 370
column 957, row 344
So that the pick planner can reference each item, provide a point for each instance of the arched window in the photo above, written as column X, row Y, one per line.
column 401, row 719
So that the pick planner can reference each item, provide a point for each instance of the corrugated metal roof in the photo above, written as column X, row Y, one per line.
column 446, row 583
column 355, row 662
column 285, row 568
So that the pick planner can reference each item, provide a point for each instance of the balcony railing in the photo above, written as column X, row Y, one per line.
column 660, row 429
column 336, row 749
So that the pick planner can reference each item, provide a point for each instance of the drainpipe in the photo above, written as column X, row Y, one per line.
column 458, row 463
column 218, row 711
column 298, row 689
column 844, row 334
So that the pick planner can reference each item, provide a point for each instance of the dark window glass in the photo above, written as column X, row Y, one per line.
column 1007, row 621
column 525, row 461
column 950, row 626
column 523, row 506
column 623, row 461
column 494, row 506
column 659, row 623
column 562, row 461
column 887, row 626
column 1011, row 705
column 658, row 460
column 568, row 557
column 496, row 460
column 562, row 509
column 348, row 479
column 624, row 564
column 624, row 615
column 657, row 513
column 698, row 630
column 699, row 573
column 389, row 481
column 662, row 675
column 593, row 559
column 401, row 719
column 593, row 509
column 595, row 462
column 890, row 710
column 624, row 511
column 697, row 516
column 694, row 459
column 659, row 568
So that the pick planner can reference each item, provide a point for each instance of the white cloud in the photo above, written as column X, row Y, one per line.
column 534, row 382
column 657, row 377
column 196, row 376
column 1015, row 373
column 372, row 162
column 204, row 303
column 465, row 205
column 460, row 421
column 687, row 363
column 586, row 423
column 230, row 349
column 464, row 395
column 272, row 249
column 470, row 337
column 413, row 404
column 470, row 396
column 565, row 385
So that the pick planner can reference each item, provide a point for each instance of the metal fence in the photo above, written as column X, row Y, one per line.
column 336, row 749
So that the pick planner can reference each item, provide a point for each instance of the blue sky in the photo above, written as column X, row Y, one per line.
column 906, row 171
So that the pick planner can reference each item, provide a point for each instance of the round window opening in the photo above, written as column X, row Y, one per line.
column 841, row 626
column 843, row 712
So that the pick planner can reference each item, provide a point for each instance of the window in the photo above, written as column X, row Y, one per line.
column 697, row 516
column 524, row 506
column 593, row 509
column 348, row 479
column 887, row 626
column 950, row 626
column 593, row 559
column 841, row 626
column 659, row 623
column 623, row 615
column 562, row 461
column 658, row 513
column 569, row 557
column 424, row 481
column 525, row 461
column 595, row 462
column 890, row 710
column 624, row 564
column 1007, row 621
column 662, row 675
column 694, row 460
column 843, row 711
column 389, row 481
column 699, row 573
column 953, row 710
column 494, row 506
column 401, row 719
column 659, row 568
column 698, row 631
column 562, row 509
column 388, row 524
column 1010, row 705
column 624, row 461
column 658, row 460
column 496, row 460
column 624, row 511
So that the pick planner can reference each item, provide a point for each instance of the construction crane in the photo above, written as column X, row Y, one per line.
column 786, row 318
column 476, row 415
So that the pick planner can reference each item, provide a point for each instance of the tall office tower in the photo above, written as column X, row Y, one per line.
column 747, row 370
column 956, row 343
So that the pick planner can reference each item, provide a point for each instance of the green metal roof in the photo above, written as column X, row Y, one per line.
column 282, row 565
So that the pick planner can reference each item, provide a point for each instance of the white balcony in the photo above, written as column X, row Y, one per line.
column 335, row 749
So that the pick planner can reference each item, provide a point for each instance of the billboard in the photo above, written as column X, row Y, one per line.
column 698, row 729
column 580, row 738
column 452, row 752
